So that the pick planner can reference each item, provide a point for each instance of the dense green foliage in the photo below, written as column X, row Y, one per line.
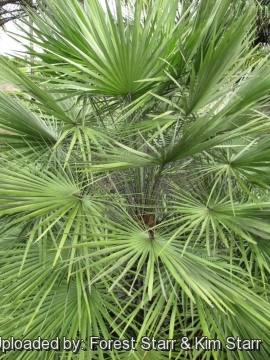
column 134, row 182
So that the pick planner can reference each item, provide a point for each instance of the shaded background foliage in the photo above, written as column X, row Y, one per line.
column 12, row 9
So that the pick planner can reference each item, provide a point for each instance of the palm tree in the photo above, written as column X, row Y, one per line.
column 12, row 10
column 134, row 184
